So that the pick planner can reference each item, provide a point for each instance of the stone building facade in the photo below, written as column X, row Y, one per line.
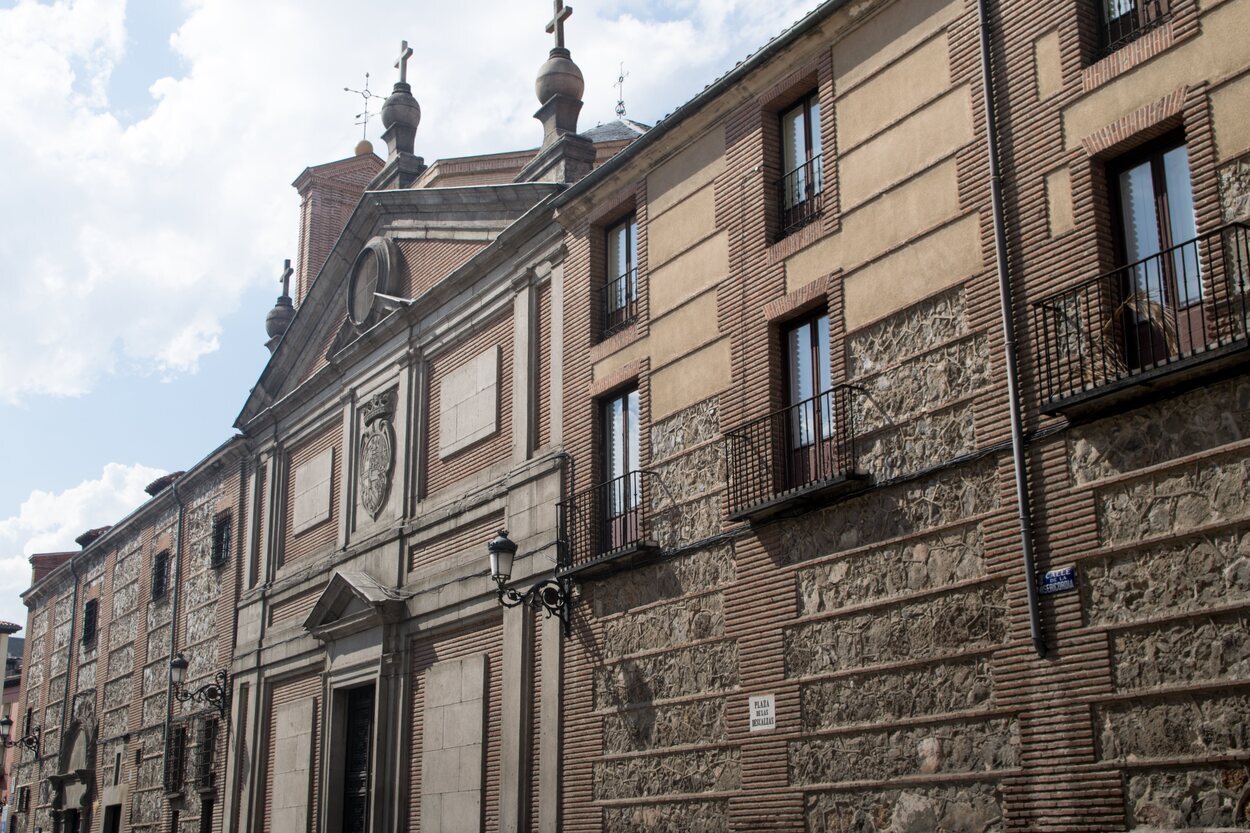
column 879, row 493
column 97, row 703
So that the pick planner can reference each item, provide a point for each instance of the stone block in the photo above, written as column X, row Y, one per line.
column 442, row 685
column 892, row 570
column 960, row 685
column 712, row 770
column 313, row 491
column 469, row 768
column 928, row 628
column 461, row 812
column 440, row 771
column 926, row 750
column 966, row 808
column 462, row 723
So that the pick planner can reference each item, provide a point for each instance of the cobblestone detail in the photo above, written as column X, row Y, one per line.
column 926, row 750
column 1234, row 179
column 954, row 371
column 926, row 324
column 962, row 685
column 680, row 526
column 693, row 572
column 918, row 444
column 697, row 669
column 882, row 514
column 1183, row 652
column 1196, row 799
column 1173, row 577
column 656, row 727
column 696, row 424
column 1184, row 725
column 928, row 628
column 679, row 773
column 1159, row 432
column 676, row 817
column 665, row 626
column 968, row 808
column 1175, row 501
column 892, row 570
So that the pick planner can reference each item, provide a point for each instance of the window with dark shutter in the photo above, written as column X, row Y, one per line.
column 205, row 747
column 90, row 617
column 160, row 574
column 221, row 540
column 175, row 759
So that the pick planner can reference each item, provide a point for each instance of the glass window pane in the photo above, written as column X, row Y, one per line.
column 1141, row 227
column 793, row 154
column 815, row 125
column 799, row 357
column 1184, row 228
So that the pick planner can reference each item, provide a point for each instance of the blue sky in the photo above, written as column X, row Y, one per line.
column 147, row 208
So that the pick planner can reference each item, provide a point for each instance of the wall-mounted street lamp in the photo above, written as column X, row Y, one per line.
column 30, row 742
column 552, row 595
column 215, row 693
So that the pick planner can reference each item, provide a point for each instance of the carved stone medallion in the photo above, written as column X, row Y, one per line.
column 377, row 452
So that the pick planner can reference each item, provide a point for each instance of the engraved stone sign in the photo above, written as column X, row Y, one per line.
column 469, row 403
column 762, row 709
column 377, row 452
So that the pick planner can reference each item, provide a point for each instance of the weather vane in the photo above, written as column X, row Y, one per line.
column 620, row 92
column 364, row 116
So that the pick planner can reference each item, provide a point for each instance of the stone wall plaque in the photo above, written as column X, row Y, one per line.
column 452, row 754
column 313, row 492
column 763, row 712
column 292, row 765
column 468, row 407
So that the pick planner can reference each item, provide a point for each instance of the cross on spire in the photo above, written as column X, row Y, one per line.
column 556, row 26
column 620, row 92
column 286, row 277
column 402, row 63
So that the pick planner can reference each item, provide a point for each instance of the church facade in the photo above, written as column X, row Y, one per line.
column 861, row 448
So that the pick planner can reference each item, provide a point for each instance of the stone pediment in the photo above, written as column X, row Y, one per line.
column 353, row 601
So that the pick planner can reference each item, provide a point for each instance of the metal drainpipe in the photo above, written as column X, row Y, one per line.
column 176, row 556
column 1009, row 335
column 69, row 656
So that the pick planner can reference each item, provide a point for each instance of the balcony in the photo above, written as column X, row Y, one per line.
column 1124, row 21
column 620, row 303
column 794, row 459
column 1169, row 319
column 609, row 525
column 802, row 195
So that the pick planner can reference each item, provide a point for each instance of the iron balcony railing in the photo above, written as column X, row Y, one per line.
column 791, row 452
column 1124, row 21
column 802, row 195
column 607, row 520
column 620, row 302
column 1168, row 308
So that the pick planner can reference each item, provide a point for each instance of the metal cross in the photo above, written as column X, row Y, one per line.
column 556, row 26
column 286, row 277
column 364, row 116
column 620, row 92
column 402, row 63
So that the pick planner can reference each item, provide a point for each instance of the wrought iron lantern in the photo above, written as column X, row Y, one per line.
column 215, row 693
column 555, row 596
column 30, row 741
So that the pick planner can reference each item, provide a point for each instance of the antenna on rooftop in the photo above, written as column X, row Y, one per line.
column 620, row 92
column 364, row 116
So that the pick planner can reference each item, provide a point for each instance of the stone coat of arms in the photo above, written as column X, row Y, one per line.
column 377, row 452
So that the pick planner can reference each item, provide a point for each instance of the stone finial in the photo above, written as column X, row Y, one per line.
column 401, row 114
column 279, row 318
column 560, row 84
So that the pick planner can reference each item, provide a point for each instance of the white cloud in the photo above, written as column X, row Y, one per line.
column 123, row 246
column 48, row 522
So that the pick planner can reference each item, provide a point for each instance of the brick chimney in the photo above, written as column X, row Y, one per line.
column 43, row 563
column 328, row 195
